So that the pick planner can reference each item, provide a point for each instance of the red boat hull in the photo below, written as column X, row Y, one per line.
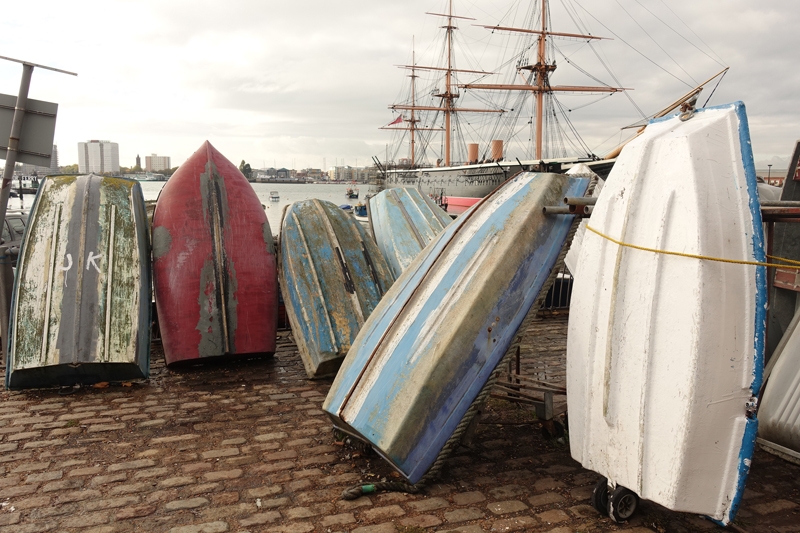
column 214, row 268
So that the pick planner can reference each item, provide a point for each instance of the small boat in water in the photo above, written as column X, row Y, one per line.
column 351, row 193
column 665, row 352
column 429, row 347
column 274, row 196
column 214, row 267
column 80, row 313
column 332, row 277
column 403, row 222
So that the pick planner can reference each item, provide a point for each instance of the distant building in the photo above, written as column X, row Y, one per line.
column 347, row 173
column 98, row 157
column 155, row 162
column 138, row 161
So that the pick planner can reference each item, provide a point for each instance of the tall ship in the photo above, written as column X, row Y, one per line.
column 435, row 122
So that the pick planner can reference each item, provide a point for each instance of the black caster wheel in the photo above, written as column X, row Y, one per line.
column 599, row 497
column 622, row 503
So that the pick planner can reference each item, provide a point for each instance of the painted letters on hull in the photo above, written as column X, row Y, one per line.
column 81, row 305
column 429, row 347
column 213, row 263
column 664, row 352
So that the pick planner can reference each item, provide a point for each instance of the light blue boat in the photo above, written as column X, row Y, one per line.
column 331, row 276
column 431, row 344
column 403, row 222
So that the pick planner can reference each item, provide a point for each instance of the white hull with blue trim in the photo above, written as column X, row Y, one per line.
column 664, row 352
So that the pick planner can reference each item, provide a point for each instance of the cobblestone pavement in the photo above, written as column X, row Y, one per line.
column 245, row 446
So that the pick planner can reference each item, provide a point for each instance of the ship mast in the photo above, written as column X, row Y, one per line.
column 448, row 96
column 541, row 88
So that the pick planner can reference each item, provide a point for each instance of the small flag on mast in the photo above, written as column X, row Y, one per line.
column 398, row 120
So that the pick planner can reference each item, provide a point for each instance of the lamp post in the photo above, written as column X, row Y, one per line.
column 769, row 171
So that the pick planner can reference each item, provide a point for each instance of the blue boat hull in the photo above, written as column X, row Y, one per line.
column 403, row 222
column 430, row 345
column 331, row 276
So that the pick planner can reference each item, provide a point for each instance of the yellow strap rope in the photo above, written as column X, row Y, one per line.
column 795, row 264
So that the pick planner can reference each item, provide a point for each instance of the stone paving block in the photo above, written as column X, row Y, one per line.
column 421, row 521
column 428, row 504
column 111, row 503
column 508, row 491
column 87, row 519
column 131, row 465
column 506, row 507
column 201, row 488
column 37, row 527
column 32, row 467
column 337, row 520
column 584, row 511
column 223, row 474
column 468, row 498
column 191, row 503
column 179, row 481
column 514, row 524
column 9, row 519
column 581, row 493
column 99, row 481
column 265, row 517
column 462, row 515
column 553, row 517
column 44, row 476
column 464, row 529
column 387, row 527
column 17, row 491
column 208, row 527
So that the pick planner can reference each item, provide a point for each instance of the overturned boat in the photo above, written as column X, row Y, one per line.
column 403, row 222
column 666, row 331
column 429, row 347
column 80, row 313
column 214, row 269
column 332, row 277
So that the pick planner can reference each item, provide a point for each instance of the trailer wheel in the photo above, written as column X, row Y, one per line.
column 599, row 497
column 622, row 503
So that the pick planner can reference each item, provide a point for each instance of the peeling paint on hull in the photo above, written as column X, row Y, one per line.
column 214, row 264
column 403, row 222
column 81, row 303
column 332, row 276
column 431, row 344
column 664, row 353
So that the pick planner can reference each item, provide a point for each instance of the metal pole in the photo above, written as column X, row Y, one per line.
column 8, row 174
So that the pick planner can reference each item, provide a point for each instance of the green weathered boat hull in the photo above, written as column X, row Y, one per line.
column 81, row 307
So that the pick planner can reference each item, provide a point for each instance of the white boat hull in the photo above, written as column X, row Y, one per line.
column 664, row 352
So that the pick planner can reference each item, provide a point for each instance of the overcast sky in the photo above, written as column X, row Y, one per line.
column 306, row 83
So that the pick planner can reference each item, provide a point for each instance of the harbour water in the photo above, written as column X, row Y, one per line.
column 289, row 193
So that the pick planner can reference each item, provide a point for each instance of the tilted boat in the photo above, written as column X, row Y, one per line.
column 426, row 351
column 332, row 276
column 215, row 278
column 82, row 302
column 403, row 221
column 665, row 352
column 779, row 410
